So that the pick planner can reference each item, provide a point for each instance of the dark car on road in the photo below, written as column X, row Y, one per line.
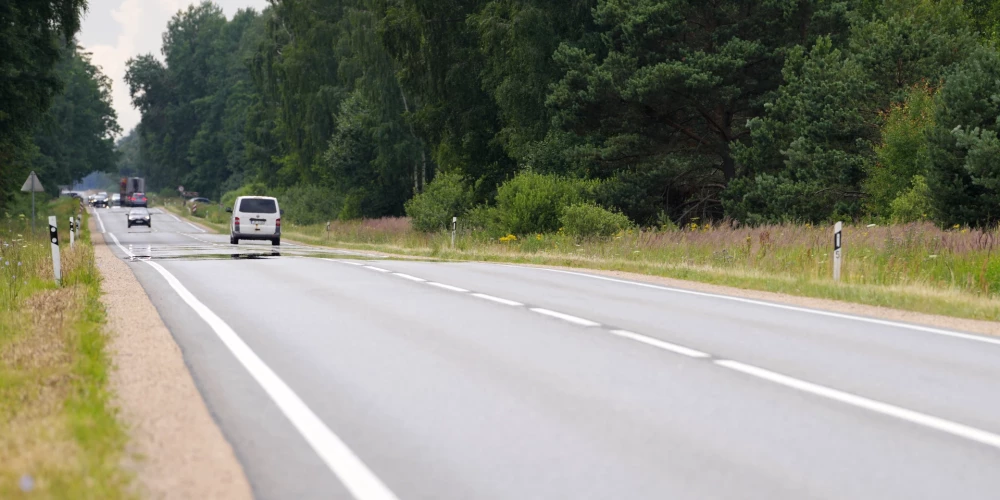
column 139, row 216
column 101, row 200
column 138, row 200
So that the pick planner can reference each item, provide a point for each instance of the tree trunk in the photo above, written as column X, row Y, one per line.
column 728, row 167
column 418, row 181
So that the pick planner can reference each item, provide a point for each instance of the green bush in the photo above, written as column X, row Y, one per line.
column 305, row 204
column 915, row 204
column 587, row 220
column 532, row 203
column 445, row 197
column 483, row 218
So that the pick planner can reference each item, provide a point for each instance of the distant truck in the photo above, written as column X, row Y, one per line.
column 130, row 186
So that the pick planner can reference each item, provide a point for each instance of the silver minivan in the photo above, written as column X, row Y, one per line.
column 255, row 218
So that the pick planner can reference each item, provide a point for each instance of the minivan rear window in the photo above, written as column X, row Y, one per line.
column 258, row 206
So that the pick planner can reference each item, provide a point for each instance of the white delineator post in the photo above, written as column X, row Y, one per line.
column 837, row 228
column 72, row 232
column 454, row 226
column 54, row 239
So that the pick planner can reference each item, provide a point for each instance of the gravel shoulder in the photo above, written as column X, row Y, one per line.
column 175, row 449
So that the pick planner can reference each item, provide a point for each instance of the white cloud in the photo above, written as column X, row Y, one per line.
column 139, row 25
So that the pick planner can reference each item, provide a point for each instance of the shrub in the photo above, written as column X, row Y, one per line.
column 533, row 203
column 586, row 220
column 483, row 218
column 445, row 197
column 304, row 204
column 913, row 205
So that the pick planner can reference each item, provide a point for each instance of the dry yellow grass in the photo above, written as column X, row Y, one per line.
column 58, row 437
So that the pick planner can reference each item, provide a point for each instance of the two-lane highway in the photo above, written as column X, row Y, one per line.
column 334, row 376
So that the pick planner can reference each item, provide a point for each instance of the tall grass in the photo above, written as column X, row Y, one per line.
column 58, row 430
column 957, row 259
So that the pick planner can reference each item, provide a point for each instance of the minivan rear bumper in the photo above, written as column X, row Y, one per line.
column 256, row 236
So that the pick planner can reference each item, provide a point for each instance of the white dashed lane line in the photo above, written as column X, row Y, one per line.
column 667, row 346
column 498, row 300
column 447, row 287
column 924, row 420
column 565, row 317
column 411, row 278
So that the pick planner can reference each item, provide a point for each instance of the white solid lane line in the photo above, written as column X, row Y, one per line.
column 359, row 480
column 99, row 221
column 936, row 423
column 659, row 344
column 498, row 300
column 127, row 252
column 379, row 269
column 829, row 314
column 565, row 317
column 408, row 277
column 447, row 287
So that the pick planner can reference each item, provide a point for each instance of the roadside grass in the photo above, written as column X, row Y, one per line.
column 59, row 434
column 917, row 267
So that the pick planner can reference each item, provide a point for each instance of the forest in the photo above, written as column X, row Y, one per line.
column 508, row 112
column 56, row 117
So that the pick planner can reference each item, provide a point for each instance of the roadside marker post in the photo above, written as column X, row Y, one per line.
column 837, row 228
column 72, row 232
column 54, row 239
column 454, row 226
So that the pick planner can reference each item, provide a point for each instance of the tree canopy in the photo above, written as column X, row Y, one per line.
column 759, row 111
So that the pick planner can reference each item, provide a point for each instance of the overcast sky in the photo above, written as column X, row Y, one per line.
column 115, row 30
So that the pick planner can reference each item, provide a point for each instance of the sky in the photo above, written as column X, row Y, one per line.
column 116, row 30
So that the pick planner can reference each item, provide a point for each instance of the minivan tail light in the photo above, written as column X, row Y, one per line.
column 277, row 222
column 236, row 221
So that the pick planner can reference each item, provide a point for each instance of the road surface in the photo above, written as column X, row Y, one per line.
column 337, row 376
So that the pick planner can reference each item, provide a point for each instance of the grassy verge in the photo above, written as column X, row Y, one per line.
column 59, row 435
column 915, row 267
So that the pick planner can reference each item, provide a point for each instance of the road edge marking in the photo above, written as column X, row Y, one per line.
column 359, row 480
column 99, row 221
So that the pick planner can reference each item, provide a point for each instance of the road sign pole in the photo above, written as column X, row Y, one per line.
column 32, row 205
column 54, row 239
column 837, row 242
column 454, row 226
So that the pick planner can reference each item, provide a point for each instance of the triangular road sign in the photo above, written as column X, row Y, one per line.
column 32, row 184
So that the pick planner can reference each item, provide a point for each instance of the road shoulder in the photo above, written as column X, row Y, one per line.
column 176, row 449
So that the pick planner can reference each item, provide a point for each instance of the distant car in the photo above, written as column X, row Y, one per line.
column 138, row 200
column 90, row 199
column 101, row 200
column 255, row 218
column 116, row 200
column 199, row 200
column 139, row 216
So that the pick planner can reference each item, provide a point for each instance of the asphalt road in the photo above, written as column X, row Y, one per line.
column 343, row 377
